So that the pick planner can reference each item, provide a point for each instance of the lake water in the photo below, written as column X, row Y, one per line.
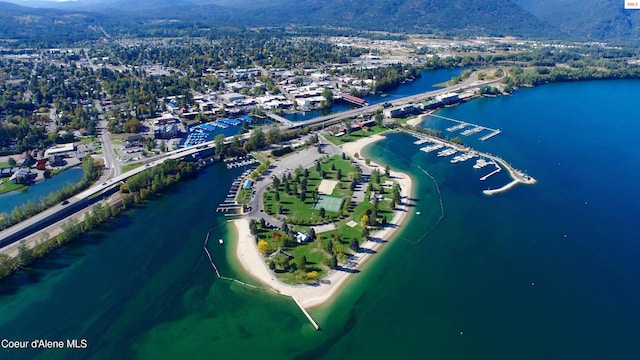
column 39, row 190
column 547, row 271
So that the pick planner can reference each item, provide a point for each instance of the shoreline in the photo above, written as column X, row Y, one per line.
column 309, row 296
column 418, row 119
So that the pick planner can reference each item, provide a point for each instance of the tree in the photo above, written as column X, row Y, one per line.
column 327, row 94
column 218, row 142
column 334, row 261
column 253, row 227
column 378, row 118
column 263, row 247
column 365, row 233
column 25, row 255
column 12, row 161
column 280, row 209
column 322, row 212
column 5, row 265
column 329, row 246
column 273, row 135
column 364, row 220
column 281, row 261
column 132, row 125
column 339, row 174
column 312, row 275
column 301, row 262
column 354, row 246
column 367, row 161
column 312, row 234
column 277, row 196
column 318, row 167
column 387, row 171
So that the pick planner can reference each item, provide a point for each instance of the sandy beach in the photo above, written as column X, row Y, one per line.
column 314, row 295
column 418, row 119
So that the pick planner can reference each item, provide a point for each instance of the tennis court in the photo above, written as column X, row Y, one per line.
column 329, row 203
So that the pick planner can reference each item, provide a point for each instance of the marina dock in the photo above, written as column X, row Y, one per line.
column 518, row 176
column 463, row 124
column 497, row 170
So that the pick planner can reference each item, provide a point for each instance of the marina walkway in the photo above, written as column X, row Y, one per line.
column 470, row 128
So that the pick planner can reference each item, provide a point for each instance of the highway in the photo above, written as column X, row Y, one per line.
column 114, row 177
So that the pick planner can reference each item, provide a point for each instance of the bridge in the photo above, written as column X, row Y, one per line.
column 279, row 118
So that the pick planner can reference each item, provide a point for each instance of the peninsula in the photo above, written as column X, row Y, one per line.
column 310, row 296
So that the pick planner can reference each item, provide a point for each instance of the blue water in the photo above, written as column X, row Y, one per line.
column 39, row 190
column 425, row 83
column 496, row 279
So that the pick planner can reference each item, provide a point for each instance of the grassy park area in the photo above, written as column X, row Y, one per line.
column 356, row 135
column 349, row 222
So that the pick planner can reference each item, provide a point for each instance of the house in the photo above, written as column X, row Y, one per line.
column 302, row 238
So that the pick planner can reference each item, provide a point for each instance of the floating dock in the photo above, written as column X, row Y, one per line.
column 489, row 136
column 447, row 152
column 457, row 127
column 431, row 148
column 474, row 130
column 497, row 170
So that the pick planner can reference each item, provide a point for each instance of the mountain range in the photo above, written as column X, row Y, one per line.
column 585, row 20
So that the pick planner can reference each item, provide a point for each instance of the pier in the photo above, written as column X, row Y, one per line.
column 497, row 170
column 463, row 124
column 490, row 135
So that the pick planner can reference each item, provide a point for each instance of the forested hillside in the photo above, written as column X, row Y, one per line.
column 549, row 19
column 587, row 19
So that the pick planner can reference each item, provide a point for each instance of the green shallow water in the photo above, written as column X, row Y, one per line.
column 496, row 279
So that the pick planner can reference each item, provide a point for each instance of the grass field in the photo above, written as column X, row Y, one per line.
column 87, row 140
column 8, row 186
column 302, row 211
column 356, row 135
column 130, row 167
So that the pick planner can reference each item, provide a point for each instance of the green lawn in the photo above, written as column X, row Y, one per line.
column 301, row 212
column 4, row 165
column 356, row 135
column 8, row 186
column 244, row 195
column 126, row 168
column 88, row 140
